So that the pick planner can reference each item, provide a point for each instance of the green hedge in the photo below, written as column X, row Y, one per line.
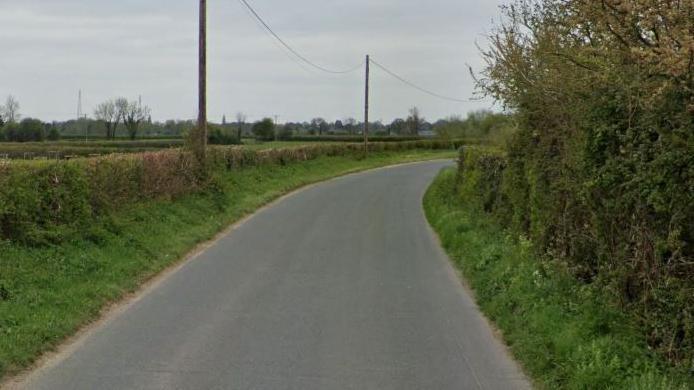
column 45, row 202
column 67, row 149
column 617, row 241
column 353, row 138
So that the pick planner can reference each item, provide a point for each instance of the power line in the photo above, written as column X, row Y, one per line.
column 284, row 51
column 415, row 86
column 296, row 53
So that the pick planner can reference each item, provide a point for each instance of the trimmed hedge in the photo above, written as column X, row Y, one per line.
column 63, row 150
column 353, row 138
column 45, row 202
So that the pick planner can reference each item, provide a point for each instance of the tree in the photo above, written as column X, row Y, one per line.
column 53, row 132
column 134, row 114
column 220, row 135
column 27, row 130
column 109, row 114
column 285, row 132
column 121, row 108
column 2, row 126
column 264, row 130
column 11, row 131
column 350, row 125
column 240, row 121
column 319, row 125
column 397, row 127
column 339, row 126
column 414, row 122
column 11, row 110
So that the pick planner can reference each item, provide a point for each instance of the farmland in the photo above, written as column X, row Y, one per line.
column 70, row 149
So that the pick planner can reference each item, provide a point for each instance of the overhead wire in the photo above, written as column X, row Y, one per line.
column 415, row 86
column 313, row 65
column 281, row 48
column 291, row 49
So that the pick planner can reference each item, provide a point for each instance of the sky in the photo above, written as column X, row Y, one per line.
column 50, row 49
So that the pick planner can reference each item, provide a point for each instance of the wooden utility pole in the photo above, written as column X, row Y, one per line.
column 366, row 108
column 202, row 81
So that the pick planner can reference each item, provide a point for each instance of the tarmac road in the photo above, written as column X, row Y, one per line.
column 340, row 286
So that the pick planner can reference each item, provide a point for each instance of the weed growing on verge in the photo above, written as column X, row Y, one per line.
column 563, row 332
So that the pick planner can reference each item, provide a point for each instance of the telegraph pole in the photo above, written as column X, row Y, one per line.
column 202, row 86
column 79, row 105
column 366, row 108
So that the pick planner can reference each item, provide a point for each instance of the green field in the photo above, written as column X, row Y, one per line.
column 75, row 148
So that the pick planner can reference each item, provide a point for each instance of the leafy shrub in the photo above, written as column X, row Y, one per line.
column 264, row 130
column 285, row 133
column 42, row 202
column 583, row 235
column 482, row 126
column 599, row 174
column 26, row 131
column 218, row 135
column 353, row 138
column 563, row 331
column 53, row 134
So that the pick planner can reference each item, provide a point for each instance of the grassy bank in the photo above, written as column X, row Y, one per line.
column 562, row 331
column 48, row 292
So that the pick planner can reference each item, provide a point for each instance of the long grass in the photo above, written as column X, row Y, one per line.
column 562, row 331
column 47, row 293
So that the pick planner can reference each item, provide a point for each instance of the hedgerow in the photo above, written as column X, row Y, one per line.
column 45, row 202
column 72, row 149
column 601, row 246
column 600, row 172
column 353, row 138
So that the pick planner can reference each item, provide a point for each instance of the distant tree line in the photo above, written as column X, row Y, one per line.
column 15, row 129
column 120, row 118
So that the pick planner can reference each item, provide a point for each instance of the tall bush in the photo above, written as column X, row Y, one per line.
column 264, row 130
column 601, row 171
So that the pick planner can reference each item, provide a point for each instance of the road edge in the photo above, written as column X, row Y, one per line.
column 457, row 275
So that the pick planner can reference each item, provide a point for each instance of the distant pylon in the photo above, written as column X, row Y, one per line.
column 79, row 105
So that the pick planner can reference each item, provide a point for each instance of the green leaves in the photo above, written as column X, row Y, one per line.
column 600, row 173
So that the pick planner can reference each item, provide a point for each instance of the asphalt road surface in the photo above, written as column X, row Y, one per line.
column 340, row 286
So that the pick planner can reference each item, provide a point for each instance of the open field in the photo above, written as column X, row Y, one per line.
column 72, row 149
column 75, row 148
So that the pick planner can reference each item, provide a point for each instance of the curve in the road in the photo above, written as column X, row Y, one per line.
column 340, row 286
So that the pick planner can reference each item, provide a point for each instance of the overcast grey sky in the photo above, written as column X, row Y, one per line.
column 52, row 48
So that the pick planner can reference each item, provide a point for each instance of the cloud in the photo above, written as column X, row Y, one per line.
column 52, row 49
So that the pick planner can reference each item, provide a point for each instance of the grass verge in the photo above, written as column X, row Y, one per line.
column 560, row 330
column 48, row 293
